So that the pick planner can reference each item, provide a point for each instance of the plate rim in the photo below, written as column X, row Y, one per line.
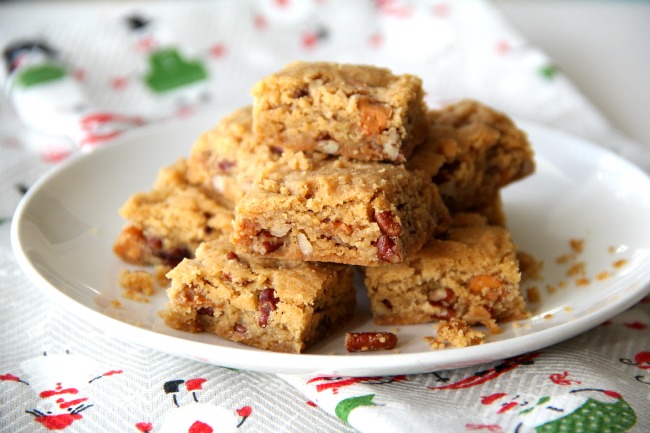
column 309, row 363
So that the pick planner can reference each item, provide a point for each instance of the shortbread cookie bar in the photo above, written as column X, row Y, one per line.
column 284, row 306
column 469, row 273
column 471, row 152
column 361, row 112
column 169, row 222
column 338, row 210
column 225, row 160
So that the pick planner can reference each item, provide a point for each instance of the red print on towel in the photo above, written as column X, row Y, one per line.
column 191, row 416
column 483, row 376
column 336, row 383
column 561, row 379
column 642, row 361
column 60, row 382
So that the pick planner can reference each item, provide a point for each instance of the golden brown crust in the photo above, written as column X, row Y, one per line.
column 358, row 111
column 470, row 273
column 363, row 213
column 271, row 304
column 225, row 160
column 471, row 152
column 169, row 222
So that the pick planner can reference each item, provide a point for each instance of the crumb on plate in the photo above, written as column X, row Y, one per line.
column 456, row 333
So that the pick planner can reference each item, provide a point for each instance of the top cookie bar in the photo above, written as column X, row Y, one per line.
column 361, row 112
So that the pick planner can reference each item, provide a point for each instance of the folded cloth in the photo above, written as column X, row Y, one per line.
column 79, row 75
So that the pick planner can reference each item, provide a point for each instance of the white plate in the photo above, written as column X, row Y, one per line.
column 64, row 228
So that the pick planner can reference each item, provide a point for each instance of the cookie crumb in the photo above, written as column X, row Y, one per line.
column 456, row 333
column 577, row 268
column 577, row 245
column 603, row 275
column 492, row 327
column 116, row 304
column 533, row 294
column 530, row 267
column 160, row 275
column 137, row 285
column 619, row 263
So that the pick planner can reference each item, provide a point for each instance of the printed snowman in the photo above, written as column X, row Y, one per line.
column 641, row 361
column 47, row 97
column 191, row 416
column 61, row 383
column 174, row 84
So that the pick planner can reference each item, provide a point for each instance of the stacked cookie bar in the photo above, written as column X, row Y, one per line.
column 334, row 167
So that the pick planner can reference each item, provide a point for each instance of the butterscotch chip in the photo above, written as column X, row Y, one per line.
column 358, row 111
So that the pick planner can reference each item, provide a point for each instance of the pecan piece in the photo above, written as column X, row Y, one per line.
column 238, row 327
column 445, row 312
column 266, row 302
column 367, row 341
column 173, row 257
column 387, row 222
column 445, row 296
column 387, row 249
column 226, row 165
column 155, row 243
column 267, row 243
column 205, row 311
